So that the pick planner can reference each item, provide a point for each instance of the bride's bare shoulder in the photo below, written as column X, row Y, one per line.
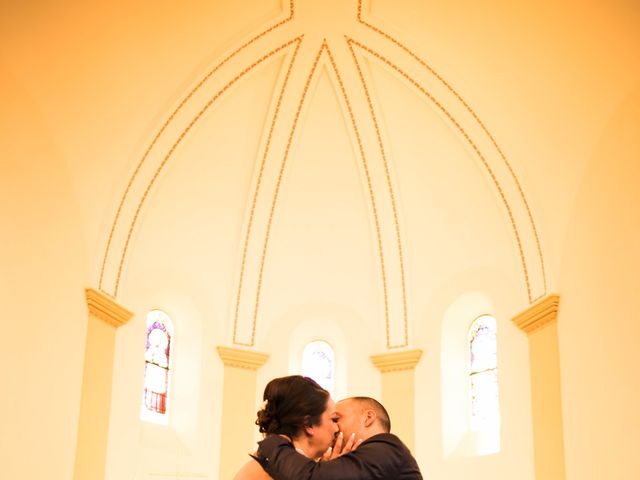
column 252, row 471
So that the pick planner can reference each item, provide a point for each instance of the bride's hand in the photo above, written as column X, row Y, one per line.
column 340, row 448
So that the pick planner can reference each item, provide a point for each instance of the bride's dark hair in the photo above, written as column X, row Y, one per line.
column 291, row 403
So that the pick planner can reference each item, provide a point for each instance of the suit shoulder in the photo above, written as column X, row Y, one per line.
column 386, row 438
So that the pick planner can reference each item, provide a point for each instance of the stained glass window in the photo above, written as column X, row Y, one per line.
column 157, row 362
column 318, row 363
column 483, row 374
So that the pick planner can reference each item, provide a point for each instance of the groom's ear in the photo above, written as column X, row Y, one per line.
column 369, row 417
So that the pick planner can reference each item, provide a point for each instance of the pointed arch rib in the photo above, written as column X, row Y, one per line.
column 418, row 75
column 376, row 170
column 199, row 99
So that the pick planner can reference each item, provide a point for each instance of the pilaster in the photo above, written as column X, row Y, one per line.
column 238, row 406
column 398, row 390
column 539, row 322
column 105, row 316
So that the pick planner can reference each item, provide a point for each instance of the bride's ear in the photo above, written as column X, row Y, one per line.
column 308, row 428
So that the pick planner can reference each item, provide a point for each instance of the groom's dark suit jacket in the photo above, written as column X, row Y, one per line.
column 381, row 457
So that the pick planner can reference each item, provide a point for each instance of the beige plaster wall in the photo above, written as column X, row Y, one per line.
column 545, row 76
column 104, row 77
column 599, row 323
column 44, row 315
column 189, row 443
column 87, row 87
column 444, row 443
column 545, row 399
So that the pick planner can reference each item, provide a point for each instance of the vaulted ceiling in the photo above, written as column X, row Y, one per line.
column 367, row 154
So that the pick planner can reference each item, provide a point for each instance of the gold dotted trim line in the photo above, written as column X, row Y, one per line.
column 484, row 128
column 473, row 145
column 157, row 136
column 391, row 195
column 255, row 198
column 179, row 140
column 277, row 190
column 370, row 187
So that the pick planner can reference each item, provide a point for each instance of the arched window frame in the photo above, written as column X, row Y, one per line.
column 158, row 367
column 314, row 354
column 482, row 347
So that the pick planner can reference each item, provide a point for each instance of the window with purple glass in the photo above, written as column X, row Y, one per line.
column 157, row 364
column 318, row 363
column 483, row 374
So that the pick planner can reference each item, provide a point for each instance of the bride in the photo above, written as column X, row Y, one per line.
column 299, row 408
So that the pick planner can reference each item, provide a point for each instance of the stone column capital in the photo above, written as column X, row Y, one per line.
column 106, row 309
column 404, row 360
column 538, row 315
column 235, row 357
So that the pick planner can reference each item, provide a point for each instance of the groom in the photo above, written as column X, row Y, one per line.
column 379, row 455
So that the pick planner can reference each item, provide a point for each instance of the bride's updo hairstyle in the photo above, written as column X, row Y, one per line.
column 290, row 404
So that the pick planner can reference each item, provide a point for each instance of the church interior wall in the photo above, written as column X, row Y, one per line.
column 446, row 444
column 43, row 261
column 83, row 94
column 599, row 311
